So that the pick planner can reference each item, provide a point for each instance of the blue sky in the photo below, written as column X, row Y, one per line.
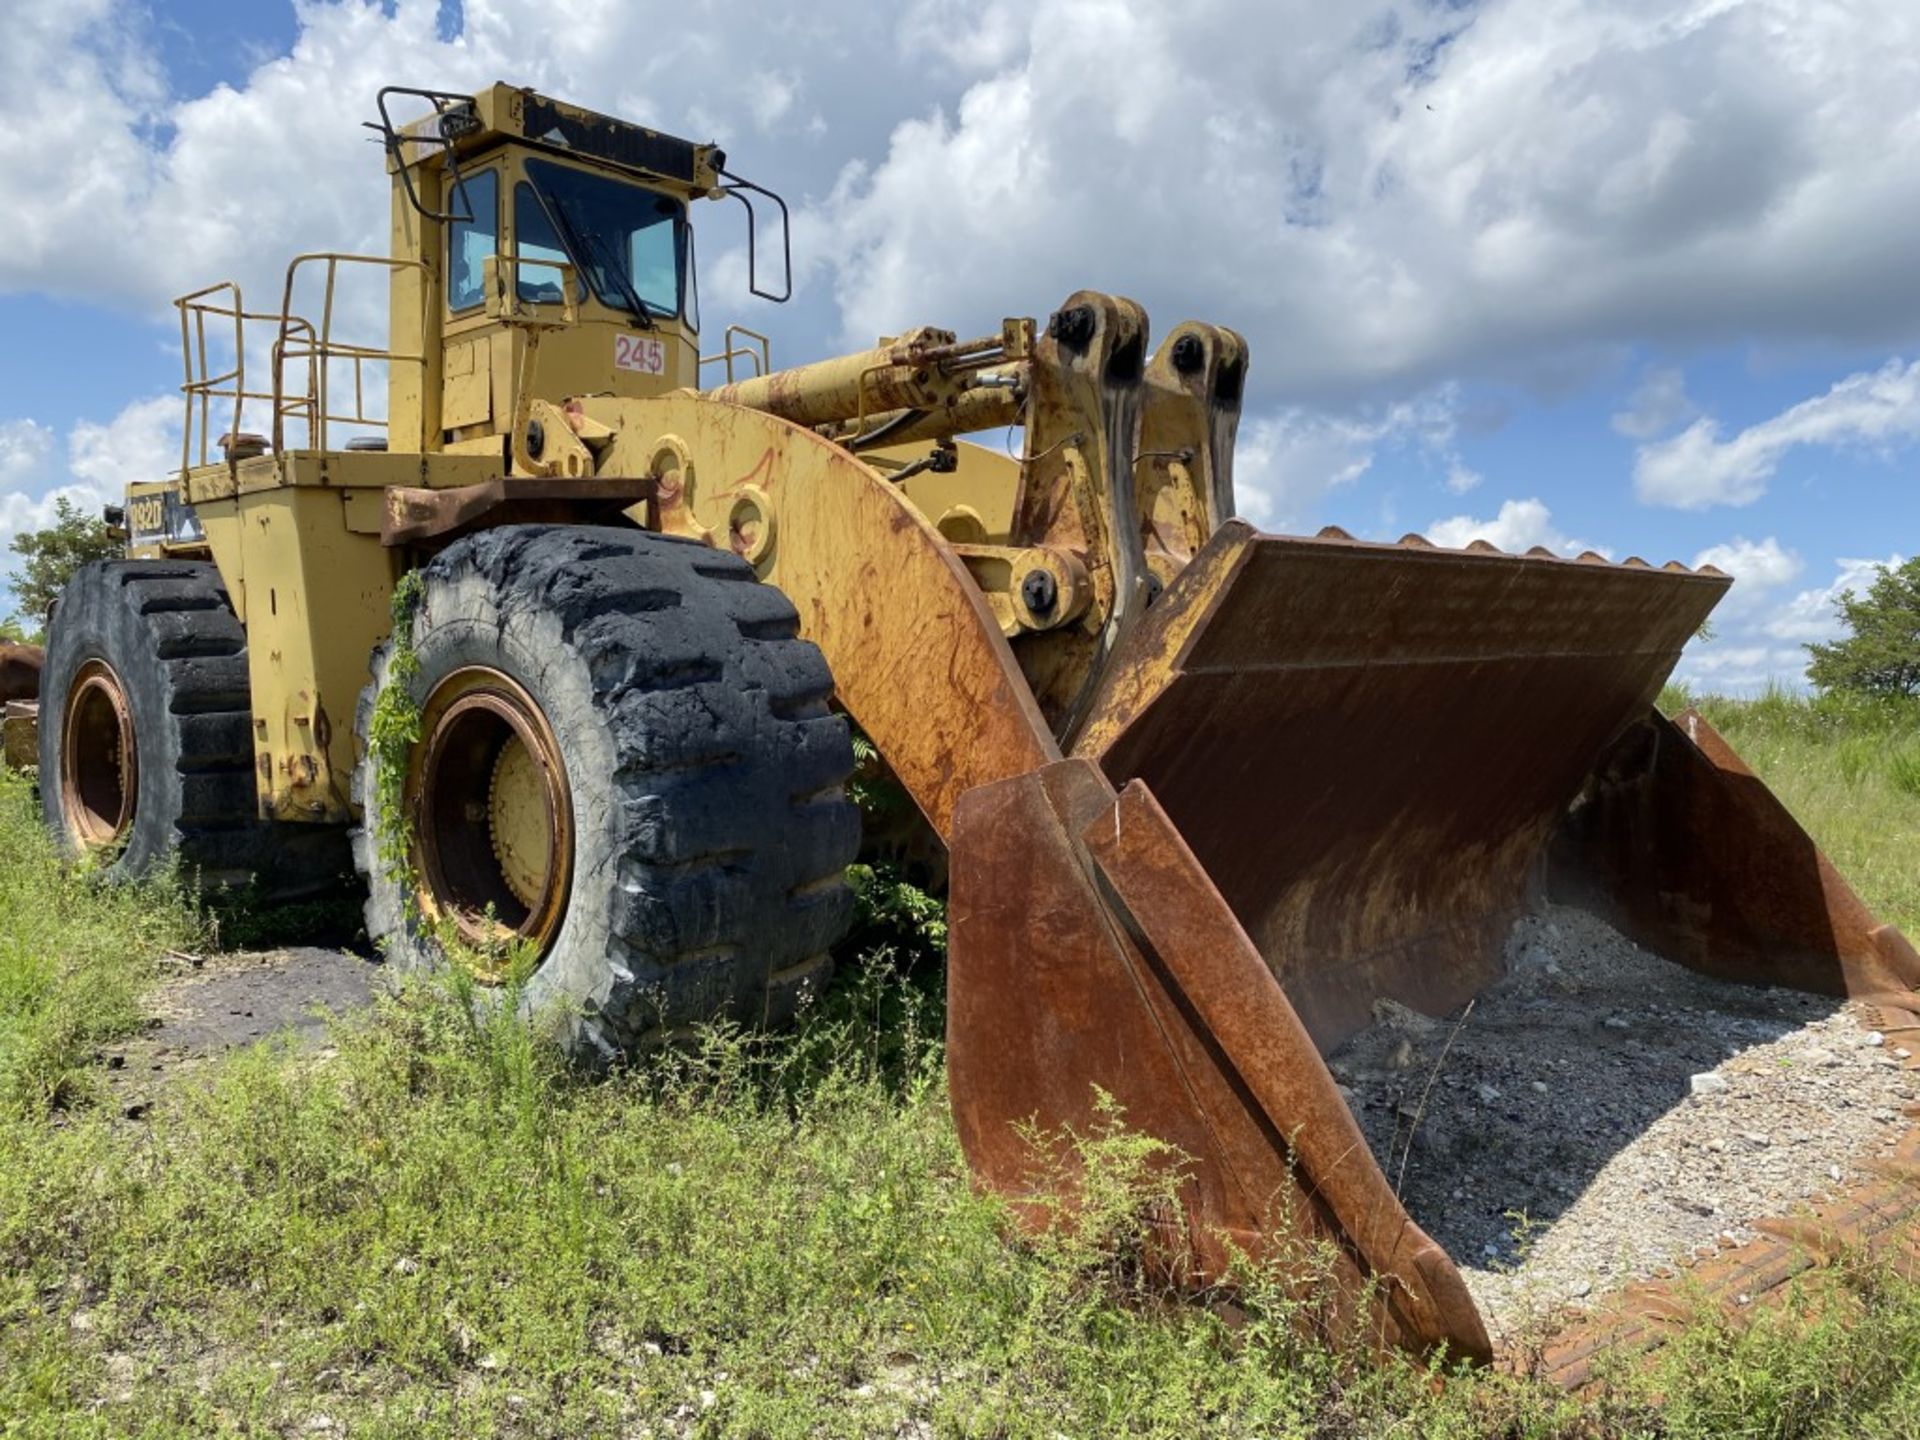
column 1630, row 274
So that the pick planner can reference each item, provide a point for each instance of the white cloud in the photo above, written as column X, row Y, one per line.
column 140, row 443
column 1696, row 469
column 1758, row 637
column 1813, row 614
column 1460, row 479
column 1286, row 462
column 1520, row 525
column 1405, row 191
column 24, row 448
column 1758, row 569
column 1657, row 404
column 1380, row 197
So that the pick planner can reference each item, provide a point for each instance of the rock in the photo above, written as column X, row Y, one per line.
column 1875, row 1039
column 1594, row 1148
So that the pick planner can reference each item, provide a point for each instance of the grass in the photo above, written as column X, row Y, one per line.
column 434, row 1229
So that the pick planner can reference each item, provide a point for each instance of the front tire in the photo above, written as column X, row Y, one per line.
column 627, row 762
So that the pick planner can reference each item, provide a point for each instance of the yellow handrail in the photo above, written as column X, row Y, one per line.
column 298, row 340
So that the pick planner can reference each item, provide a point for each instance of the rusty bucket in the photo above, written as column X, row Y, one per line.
column 1320, row 774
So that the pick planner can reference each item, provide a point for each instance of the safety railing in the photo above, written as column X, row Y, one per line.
column 297, row 344
column 760, row 353
column 221, row 304
column 299, row 341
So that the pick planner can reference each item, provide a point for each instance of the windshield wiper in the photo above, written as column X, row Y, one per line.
column 585, row 248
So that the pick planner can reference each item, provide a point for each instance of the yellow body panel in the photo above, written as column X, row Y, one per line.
column 297, row 540
column 317, row 604
column 981, row 493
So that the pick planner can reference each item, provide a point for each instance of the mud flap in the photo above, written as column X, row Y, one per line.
column 1090, row 952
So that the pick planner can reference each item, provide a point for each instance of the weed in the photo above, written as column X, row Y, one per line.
column 74, row 956
column 1903, row 768
column 436, row 1228
column 391, row 735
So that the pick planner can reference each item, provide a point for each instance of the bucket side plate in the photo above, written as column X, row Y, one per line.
column 1090, row 954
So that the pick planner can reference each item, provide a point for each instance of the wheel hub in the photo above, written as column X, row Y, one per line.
column 99, row 760
column 492, row 817
column 516, row 822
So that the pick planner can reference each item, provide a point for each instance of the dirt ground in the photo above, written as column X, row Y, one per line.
column 207, row 1005
column 1599, row 1112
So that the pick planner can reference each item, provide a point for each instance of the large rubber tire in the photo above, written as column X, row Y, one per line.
column 711, row 825
column 167, row 632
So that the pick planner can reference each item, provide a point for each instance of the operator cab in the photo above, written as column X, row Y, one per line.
column 515, row 214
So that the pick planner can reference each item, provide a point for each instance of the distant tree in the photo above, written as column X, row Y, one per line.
column 50, row 556
column 1881, row 655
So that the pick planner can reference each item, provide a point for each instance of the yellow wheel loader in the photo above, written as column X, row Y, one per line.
column 1210, row 796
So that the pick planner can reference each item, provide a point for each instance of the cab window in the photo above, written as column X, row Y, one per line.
column 470, row 242
column 540, row 251
column 632, row 240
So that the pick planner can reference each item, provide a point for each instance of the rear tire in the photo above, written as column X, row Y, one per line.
column 146, row 735
column 696, row 870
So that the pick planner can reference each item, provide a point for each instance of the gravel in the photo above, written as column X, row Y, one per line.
column 1600, row 1112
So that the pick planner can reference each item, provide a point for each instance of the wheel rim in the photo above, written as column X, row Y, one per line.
column 99, row 762
column 492, row 817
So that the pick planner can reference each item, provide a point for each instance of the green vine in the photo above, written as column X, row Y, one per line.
column 503, row 958
column 392, row 734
